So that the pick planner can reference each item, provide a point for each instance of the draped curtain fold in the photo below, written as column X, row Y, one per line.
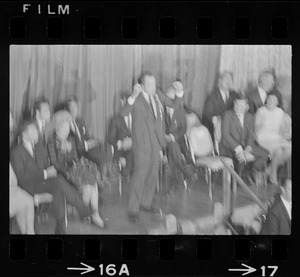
column 98, row 74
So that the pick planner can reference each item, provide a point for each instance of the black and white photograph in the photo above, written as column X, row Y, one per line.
column 150, row 139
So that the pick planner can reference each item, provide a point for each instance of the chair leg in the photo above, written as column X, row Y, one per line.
column 209, row 184
column 66, row 214
column 185, row 184
column 120, row 179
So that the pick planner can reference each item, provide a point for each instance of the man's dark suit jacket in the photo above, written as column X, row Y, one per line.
column 255, row 102
column 177, row 125
column 95, row 154
column 29, row 176
column 148, row 131
column 117, row 130
column 233, row 134
column 215, row 106
column 278, row 221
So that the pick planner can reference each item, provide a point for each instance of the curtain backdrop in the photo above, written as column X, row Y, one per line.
column 246, row 61
column 99, row 74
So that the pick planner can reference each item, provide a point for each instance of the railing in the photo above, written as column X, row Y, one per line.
column 227, row 190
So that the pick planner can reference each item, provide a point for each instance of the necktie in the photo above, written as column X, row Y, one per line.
column 129, row 122
column 32, row 151
column 153, row 105
column 44, row 131
column 226, row 97
column 77, row 130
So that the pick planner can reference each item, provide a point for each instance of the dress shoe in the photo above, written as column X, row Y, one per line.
column 149, row 209
column 97, row 220
column 133, row 217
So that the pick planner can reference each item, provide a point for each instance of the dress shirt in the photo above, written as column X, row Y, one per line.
column 288, row 206
column 29, row 147
column 262, row 94
column 241, row 118
column 225, row 95
column 128, row 121
column 170, row 112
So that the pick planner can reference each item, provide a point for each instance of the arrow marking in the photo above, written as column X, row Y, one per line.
column 86, row 269
column 247, row 270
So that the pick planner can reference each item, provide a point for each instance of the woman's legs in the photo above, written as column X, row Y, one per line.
column 90, row 197
column 22, row 207
column 280, row 156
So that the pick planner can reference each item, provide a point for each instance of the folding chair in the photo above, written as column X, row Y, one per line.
column 202, row 149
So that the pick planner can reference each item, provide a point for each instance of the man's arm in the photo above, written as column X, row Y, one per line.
column 112, row 132
column 127, row 108
column 226, row 135
column 209, row 110
column 250, row 129
column 270, row 227
column 181, row 127
column 25, row 175
column 251, row 103
column 85, row 133
column 165, row 100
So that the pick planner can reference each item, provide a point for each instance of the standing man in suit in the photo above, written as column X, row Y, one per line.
column 238, row 138
column 86, row 145
column 148, row 138
column 119, row 136
column 175, row 130
column 257, row 97
column 38, row 178
column 278, row 220
column 218, row 102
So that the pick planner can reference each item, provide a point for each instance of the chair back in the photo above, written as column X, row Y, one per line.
column 201, row 142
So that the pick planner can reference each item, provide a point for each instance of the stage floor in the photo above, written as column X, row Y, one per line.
column 185, row 204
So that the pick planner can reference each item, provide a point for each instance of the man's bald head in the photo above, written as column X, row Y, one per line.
column 171, row 92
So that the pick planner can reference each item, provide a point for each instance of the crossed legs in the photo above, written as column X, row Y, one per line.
column 280, row 156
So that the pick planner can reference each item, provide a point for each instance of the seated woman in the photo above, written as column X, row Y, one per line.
column 273, row 132
column 82, row 173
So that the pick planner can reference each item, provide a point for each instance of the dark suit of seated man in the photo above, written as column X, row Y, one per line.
column 218, row 102
column 36, row 178
column 86, row 145
column 175, row 129
column 119, row 136
column 238, row 139
column 278, row 219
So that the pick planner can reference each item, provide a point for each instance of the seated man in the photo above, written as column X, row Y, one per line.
column 175, row 130
column 278, row 220
column 36, row 179
column 119, row 136
column 218, row 102
column 258, row 96
column 238, row 139
column 86, row 145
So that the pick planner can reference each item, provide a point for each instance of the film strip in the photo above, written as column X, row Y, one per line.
column 178, row 245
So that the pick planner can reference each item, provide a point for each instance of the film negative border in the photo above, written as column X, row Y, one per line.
column 149, row 23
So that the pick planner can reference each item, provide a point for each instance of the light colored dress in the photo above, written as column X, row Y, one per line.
column 275, row 129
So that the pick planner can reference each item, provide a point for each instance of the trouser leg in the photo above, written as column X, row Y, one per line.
column 137, row 184
column 151, row 180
